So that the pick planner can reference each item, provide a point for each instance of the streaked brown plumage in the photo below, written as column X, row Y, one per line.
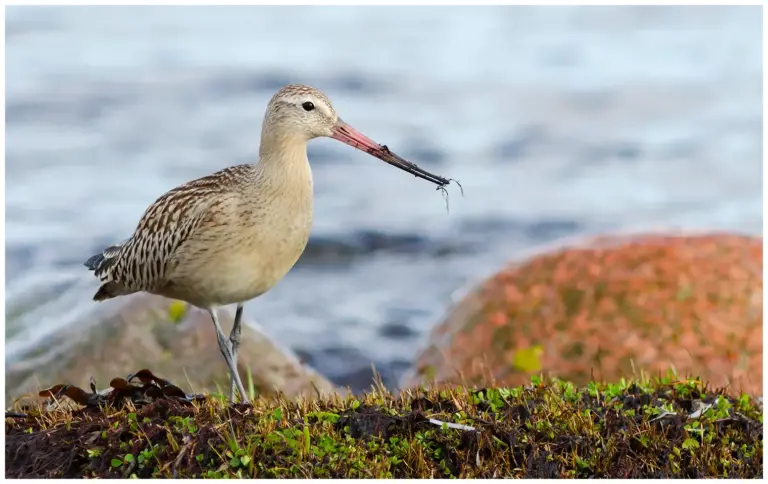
column 231, row 236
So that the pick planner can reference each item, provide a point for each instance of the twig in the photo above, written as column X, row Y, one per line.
column 177, row 460
column 698, row 413
column 451, row 425
column 663, row 415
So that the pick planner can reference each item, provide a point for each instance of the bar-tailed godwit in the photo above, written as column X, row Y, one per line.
column 229, row 237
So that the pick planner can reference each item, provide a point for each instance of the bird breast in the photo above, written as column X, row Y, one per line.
column 242, row 248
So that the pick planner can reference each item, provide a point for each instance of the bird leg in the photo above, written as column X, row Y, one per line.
column 226, row 350
column 234, row 340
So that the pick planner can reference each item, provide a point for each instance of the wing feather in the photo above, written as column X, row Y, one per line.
column 141, row 262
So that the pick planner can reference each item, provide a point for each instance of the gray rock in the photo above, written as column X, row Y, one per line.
column 127, row 334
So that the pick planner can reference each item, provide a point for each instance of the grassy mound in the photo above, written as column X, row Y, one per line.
column 663, row 428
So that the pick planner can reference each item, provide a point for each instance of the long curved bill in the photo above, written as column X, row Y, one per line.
column 347, row 134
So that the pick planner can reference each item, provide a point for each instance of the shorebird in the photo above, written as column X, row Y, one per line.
column 229, row 237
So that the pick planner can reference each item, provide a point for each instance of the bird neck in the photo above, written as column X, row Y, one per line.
column 283, row 163
column 281, row 141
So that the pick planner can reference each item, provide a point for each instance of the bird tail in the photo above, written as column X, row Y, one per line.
column 100, row 265
column 100, row 262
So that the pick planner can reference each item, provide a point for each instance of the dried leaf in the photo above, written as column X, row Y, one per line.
column 152, row 392
column 78, row 395
column 55, row 391
column 146, row 376
column 149, row 388
column 174, row 391
column 118, row 383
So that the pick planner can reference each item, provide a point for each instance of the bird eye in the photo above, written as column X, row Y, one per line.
column 308, row 106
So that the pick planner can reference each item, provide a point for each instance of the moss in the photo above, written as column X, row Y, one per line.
column 176, row 311
column 547, row 429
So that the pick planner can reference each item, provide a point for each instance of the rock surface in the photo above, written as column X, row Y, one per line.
column 610, row 307
column 134, row 332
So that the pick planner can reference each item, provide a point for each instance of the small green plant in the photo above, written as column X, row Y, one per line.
column 690, row 443
column 93, row 453
column 251, row 387
column 146, row 455
column 324, row 416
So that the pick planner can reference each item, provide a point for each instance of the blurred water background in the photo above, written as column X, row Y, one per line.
column 558, row 121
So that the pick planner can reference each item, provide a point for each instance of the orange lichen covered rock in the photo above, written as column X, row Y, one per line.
column 608, row 308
